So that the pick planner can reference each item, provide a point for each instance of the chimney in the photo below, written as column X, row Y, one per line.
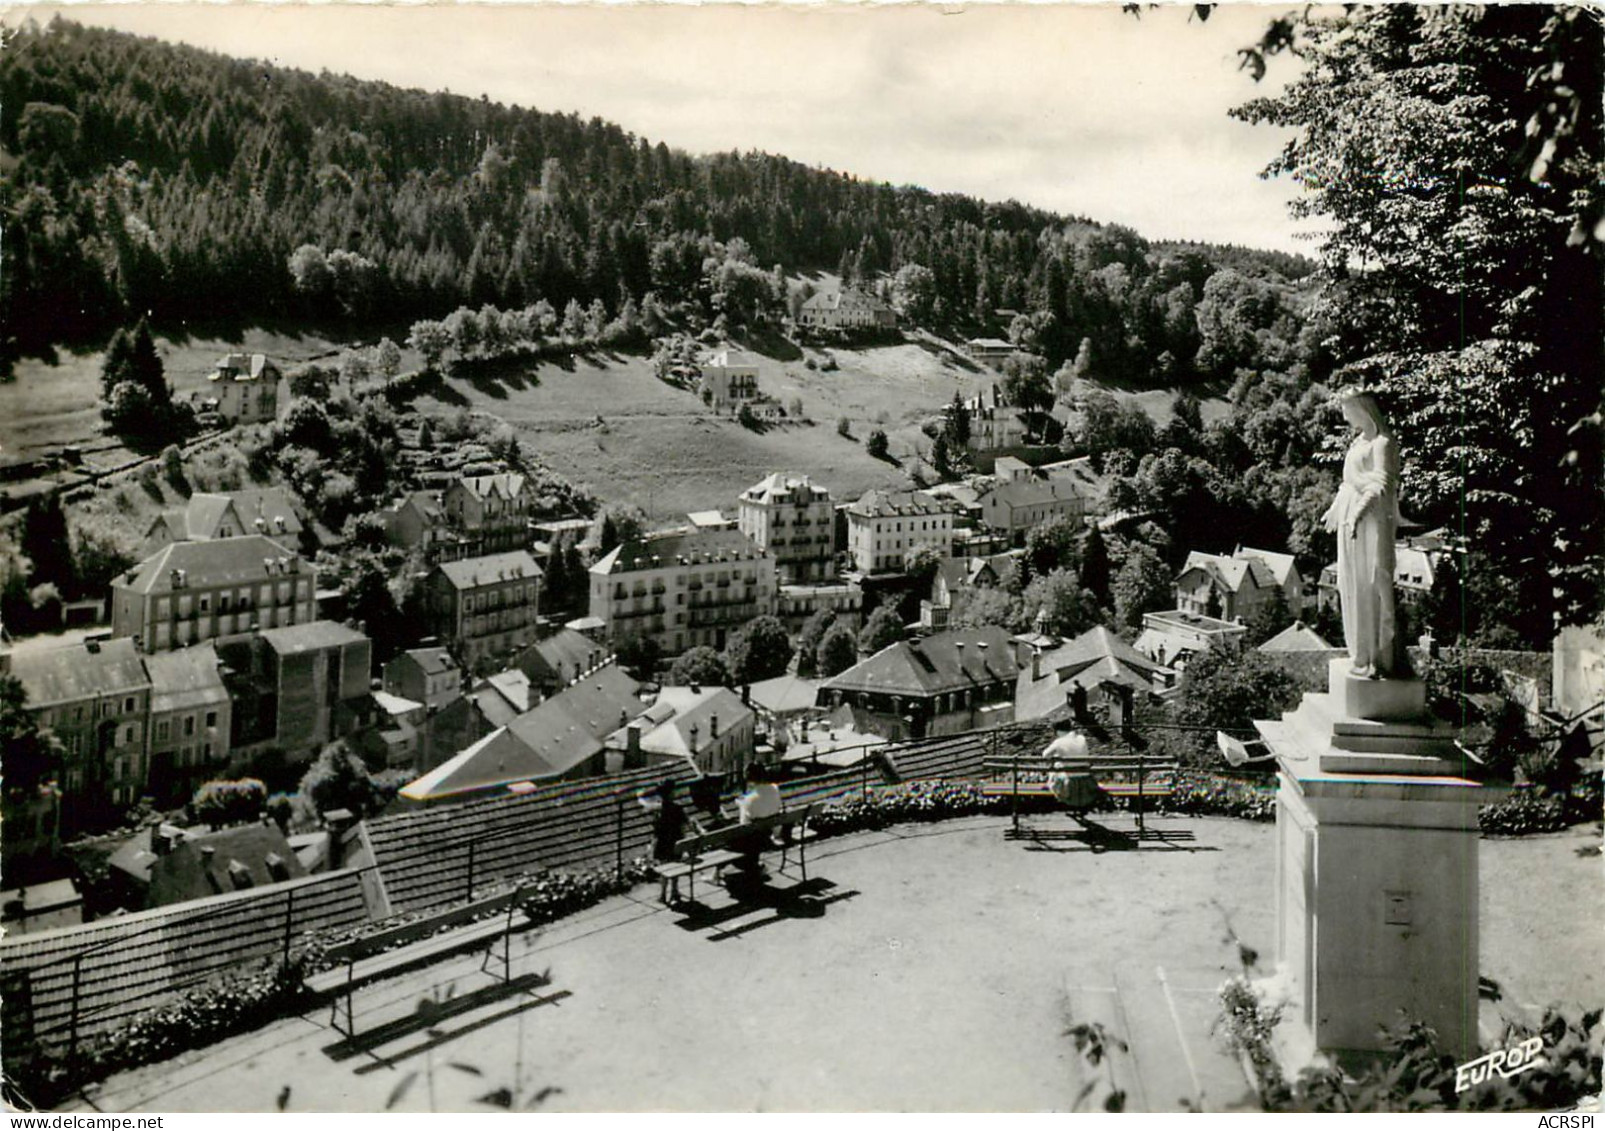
column 693, row 738
column 338, row 822
column 1036, row 664
column 93, row 647
column 207, row 852
column 632, row 747
column 713, row 728
column 746, row 694
column 696, row 689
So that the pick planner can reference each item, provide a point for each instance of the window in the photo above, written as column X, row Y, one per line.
column 189, row 725
column 128, row 705
column 128, row 734
column 211, row 718
column 206, row 604
column 162, row 730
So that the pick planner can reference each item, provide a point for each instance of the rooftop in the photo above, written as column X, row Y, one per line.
column 246, row 560
column 896, row 504
column 945, row 661
column 679, row 547
column 184, row 678
column 470, row 573
column 310, row 637
column 506, row 485
column 1296, row 637
column 780, row 486
column 77, row 672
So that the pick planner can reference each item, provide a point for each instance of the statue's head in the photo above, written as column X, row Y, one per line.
column 1359, row 406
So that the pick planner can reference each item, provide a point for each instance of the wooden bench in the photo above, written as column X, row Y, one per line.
column 1026, row 775
column 711, row 851
column 365, row 960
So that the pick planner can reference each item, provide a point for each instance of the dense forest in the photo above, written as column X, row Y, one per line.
column 147, row 178
column 1453, row 153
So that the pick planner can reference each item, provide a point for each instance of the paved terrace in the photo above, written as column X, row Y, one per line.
column 928, row 967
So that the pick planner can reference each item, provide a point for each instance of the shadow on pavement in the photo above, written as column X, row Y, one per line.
column 799, row 901
column 430, row 1015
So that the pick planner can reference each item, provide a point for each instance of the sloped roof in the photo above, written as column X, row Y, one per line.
column 695, row 546
column 395, row 704
column 505, row 485
column 947, row 661
column 204, row 514
column 310, row 637
column 680, row 709
column 511, row 685
column 1281, row 566
column 561, row 656
column 845, row 298
column 785, row 693
column 243, row 367
column 189, row 872
column 184, row 678
column 1093, row 659
column 470, row 573
column 1032, row 492
column 893, row 504
column 772, row 488
column 544, row 742
column 1296, row 637
column 266, row 503
column 225, row 561
column 730, row 359
column 75, row 672
column 1233, row 573
column 432, row 661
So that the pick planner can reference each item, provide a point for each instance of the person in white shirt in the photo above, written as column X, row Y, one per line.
column 1069, row 776
column 761, row 800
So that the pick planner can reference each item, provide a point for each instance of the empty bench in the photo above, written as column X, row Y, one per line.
column 712, row 851
column 1027, row 775
column 362, row 961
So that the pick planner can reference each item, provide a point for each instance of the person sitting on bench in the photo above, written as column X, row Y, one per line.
column 761, row 800
column 1069, row 778
column 669, row 823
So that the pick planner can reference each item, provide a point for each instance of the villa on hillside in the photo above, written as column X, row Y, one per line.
column 246, row 389
column 846, row 309
column 1096, row 668
column 205, row 517
column 729, row 379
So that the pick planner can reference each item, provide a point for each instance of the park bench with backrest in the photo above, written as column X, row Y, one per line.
column 1118, row 773
column 712, row 851
column 362, row 961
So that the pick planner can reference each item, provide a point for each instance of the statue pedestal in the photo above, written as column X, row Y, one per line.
column 1376, row 868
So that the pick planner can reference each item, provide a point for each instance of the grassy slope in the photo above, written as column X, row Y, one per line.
column 48, row 406
column 663, row 450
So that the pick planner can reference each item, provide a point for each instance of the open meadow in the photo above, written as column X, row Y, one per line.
column 661, row 448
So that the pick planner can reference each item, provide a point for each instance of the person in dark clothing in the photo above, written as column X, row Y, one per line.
column 669, row 824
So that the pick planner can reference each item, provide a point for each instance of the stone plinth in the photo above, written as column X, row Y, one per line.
column 1377, row 868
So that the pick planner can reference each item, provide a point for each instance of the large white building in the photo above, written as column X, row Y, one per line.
column 885, row 527
column 793, row 520
column 682, row 589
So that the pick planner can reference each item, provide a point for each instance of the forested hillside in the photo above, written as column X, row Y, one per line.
column 146, row 177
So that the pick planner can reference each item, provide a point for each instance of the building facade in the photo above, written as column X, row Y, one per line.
column 484, row 607
column 425, row 675
column 682, row 589
column 190, row 720
column 297, row 688
column 1014, row 508
column 245, row 388
column 885, row 527
column 190, row 592
column 845, row 309
column 793, row 520
column 729, row 379
column 490, row 512
column 95, row 698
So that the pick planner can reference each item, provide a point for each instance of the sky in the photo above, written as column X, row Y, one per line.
column 1076, row 108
